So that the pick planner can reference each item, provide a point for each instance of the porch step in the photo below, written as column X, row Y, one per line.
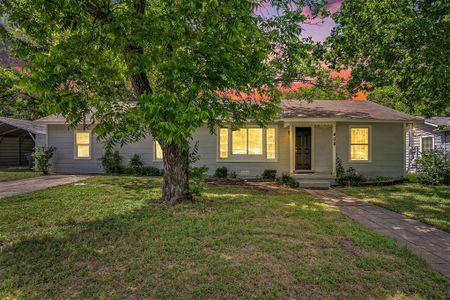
column 314, row 184
column 315, row 176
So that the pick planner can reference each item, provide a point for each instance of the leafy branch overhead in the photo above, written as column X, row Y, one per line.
column 401, row 46
column 163, row 67
column 184, row 62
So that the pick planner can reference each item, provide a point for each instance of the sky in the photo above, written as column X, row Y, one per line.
column 316, row 28
column 319, row 29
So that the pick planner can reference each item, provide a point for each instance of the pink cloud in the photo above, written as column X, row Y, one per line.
column 333, row 6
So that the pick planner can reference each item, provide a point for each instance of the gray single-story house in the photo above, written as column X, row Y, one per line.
column 18, row 139
column 306, row 140
column 432, row 134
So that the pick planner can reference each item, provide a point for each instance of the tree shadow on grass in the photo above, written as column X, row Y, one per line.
column 160, row 251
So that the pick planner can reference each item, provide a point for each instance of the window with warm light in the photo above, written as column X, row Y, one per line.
column 255, row 141
column 359, row 143
column 247, row 142
column 223, row 141
column 83, row 144
column 158, row 151
column 270, row 143
column 239, row 141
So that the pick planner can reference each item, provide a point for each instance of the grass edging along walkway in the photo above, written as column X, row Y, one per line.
column 428, row 204
column 9, row 175
column 110, row 237
column 23, row 186
column 426, row 241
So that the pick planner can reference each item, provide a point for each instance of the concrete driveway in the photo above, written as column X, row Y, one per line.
column 23, row 186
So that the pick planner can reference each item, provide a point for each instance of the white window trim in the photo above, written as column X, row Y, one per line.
column 350, row 144
column 421, row 142
column 155, row 159
column 75, row 144
column 247, row 158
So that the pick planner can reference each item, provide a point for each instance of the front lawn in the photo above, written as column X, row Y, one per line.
column 429, row 204
column 12, row 174
column 109, row 237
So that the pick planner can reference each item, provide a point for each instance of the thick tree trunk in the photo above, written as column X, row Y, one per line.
column 176, row 180
column 176, row 159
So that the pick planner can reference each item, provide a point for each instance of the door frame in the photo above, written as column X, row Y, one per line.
column 312, row 147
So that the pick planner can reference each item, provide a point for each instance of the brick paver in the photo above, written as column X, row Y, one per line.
column 23, row 186
column 426, row 241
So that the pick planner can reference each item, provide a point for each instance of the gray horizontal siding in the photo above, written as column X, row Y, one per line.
column 386, row 149
column 62, row 138
column 208, row 152
column 413, row 140
column 41, row 140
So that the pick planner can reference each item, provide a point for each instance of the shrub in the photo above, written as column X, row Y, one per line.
column 433, row 167
column 269, row 174
column 221, row 172
column 350, row 177
column 135, row 164
column 42, row 156
column 339, row 167
column 289, row 181
column 233, row 175
column 197, row 175
column 111, row 162
column 149, row 171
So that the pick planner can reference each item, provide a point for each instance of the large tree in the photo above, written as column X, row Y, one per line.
column 164, row 67
column 403, row 44
column 14, row 102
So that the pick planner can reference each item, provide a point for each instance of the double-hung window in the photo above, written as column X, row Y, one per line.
column 251, row 143
column 83, row 144
column 359, row 143
column 427, row 144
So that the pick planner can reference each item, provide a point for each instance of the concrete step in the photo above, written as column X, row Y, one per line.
column 318, row 176
column 315, row 184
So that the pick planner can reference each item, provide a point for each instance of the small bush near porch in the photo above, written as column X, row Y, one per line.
column 109, row 237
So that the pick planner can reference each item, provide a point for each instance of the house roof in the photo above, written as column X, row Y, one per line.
column 318, row 109
column 439, row 121
column 342, row 109
column 8, row 125
column 52, row 119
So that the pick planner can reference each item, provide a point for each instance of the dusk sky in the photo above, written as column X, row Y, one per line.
column 317, row 28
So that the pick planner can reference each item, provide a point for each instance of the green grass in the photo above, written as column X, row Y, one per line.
column 111, row 238
column 7, row 175
column 429, row 204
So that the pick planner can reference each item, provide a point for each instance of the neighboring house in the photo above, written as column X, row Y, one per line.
column 17, row 140
column 431, row 135
column 306, row 139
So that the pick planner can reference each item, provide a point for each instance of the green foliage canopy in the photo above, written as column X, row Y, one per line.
column 14, row 102
column 402, row 43
column 161, row 66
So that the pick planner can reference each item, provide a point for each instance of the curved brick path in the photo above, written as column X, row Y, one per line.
column 23, row 186
column 426, row 241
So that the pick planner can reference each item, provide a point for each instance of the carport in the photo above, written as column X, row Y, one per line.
column 17, row 140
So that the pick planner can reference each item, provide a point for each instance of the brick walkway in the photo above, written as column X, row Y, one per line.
column 23, row 186
column 426, row 241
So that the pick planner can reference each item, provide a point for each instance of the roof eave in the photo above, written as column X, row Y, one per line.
column 348, row 120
